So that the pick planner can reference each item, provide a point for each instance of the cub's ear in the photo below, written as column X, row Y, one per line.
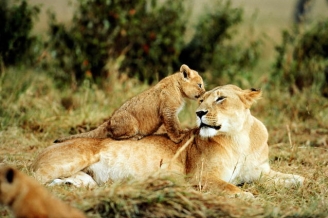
column 10, row 175
column 185, row 70
column 250, row 96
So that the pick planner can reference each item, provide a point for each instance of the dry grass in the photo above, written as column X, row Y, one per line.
column 33, row 114
column 164, row 198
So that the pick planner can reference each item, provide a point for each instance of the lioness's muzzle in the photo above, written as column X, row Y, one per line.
column 208, row 126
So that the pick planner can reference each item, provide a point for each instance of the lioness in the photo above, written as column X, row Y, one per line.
column 27, row 198
column 228, row 147
column 143, row 114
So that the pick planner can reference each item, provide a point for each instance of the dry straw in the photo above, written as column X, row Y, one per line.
column 156, row 197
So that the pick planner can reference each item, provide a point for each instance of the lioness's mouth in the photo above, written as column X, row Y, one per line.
column 209, row 126
column 197, row 96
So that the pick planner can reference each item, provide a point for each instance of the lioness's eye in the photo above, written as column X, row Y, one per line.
column 220, row 99
column 200, row 85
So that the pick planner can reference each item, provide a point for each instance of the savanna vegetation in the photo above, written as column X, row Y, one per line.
column 74, row 77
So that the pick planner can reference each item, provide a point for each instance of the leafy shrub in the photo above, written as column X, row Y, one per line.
column 211, row 48
column 16, row 23
column 148, row 36
column 211, row 30
column 148, row 44
column 302, row 59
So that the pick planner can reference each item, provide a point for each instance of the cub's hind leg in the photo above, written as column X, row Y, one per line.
column 123, row 126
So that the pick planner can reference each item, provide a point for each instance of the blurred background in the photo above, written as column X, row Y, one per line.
column 230, row 40
column 114, row 45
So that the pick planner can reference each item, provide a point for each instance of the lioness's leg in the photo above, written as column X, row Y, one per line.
column 212, row 183
column 100, row 132
column 284, row 179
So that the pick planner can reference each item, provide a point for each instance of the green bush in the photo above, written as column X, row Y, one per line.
column 215, row 49
column 16, row 21
column 302, row 60
column 148, row 38
column 147, row 35
column 211, row 30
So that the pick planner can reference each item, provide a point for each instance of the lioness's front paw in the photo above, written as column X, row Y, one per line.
column 295, row 180
column 288, row 180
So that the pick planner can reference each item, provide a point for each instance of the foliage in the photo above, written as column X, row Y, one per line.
column 148, row 44
column 302, row 59
column 16, row 21
column 211, row 30
column 103, row 30
column 214, row 48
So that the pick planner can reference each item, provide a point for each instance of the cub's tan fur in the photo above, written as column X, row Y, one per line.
column 229, row 147
column 27, row 198
column 143, row 114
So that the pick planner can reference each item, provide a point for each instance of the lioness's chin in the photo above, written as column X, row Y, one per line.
column 207, row 132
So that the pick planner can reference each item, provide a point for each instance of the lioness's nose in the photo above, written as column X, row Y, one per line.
column 201, row 113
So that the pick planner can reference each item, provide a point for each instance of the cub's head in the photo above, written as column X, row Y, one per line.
column 224, row 110
column 8, row 189
column 191, row 83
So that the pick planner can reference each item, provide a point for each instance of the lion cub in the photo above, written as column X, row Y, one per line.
column 143, row 114
column 27, row 198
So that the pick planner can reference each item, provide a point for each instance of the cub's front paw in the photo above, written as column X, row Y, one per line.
column 178, row 139
column 184, row 131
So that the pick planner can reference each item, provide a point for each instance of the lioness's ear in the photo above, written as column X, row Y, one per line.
column 250, row 96
column 10, row 175
column 185, row 70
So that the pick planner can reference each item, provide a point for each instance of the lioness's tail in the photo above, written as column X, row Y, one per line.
column 100, row 132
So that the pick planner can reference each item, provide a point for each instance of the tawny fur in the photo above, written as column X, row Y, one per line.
column 143, row 114
column 27, row 198
column 228, row 147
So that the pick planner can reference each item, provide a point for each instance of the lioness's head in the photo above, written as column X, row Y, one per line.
column 224, row 110
column 191, row 83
